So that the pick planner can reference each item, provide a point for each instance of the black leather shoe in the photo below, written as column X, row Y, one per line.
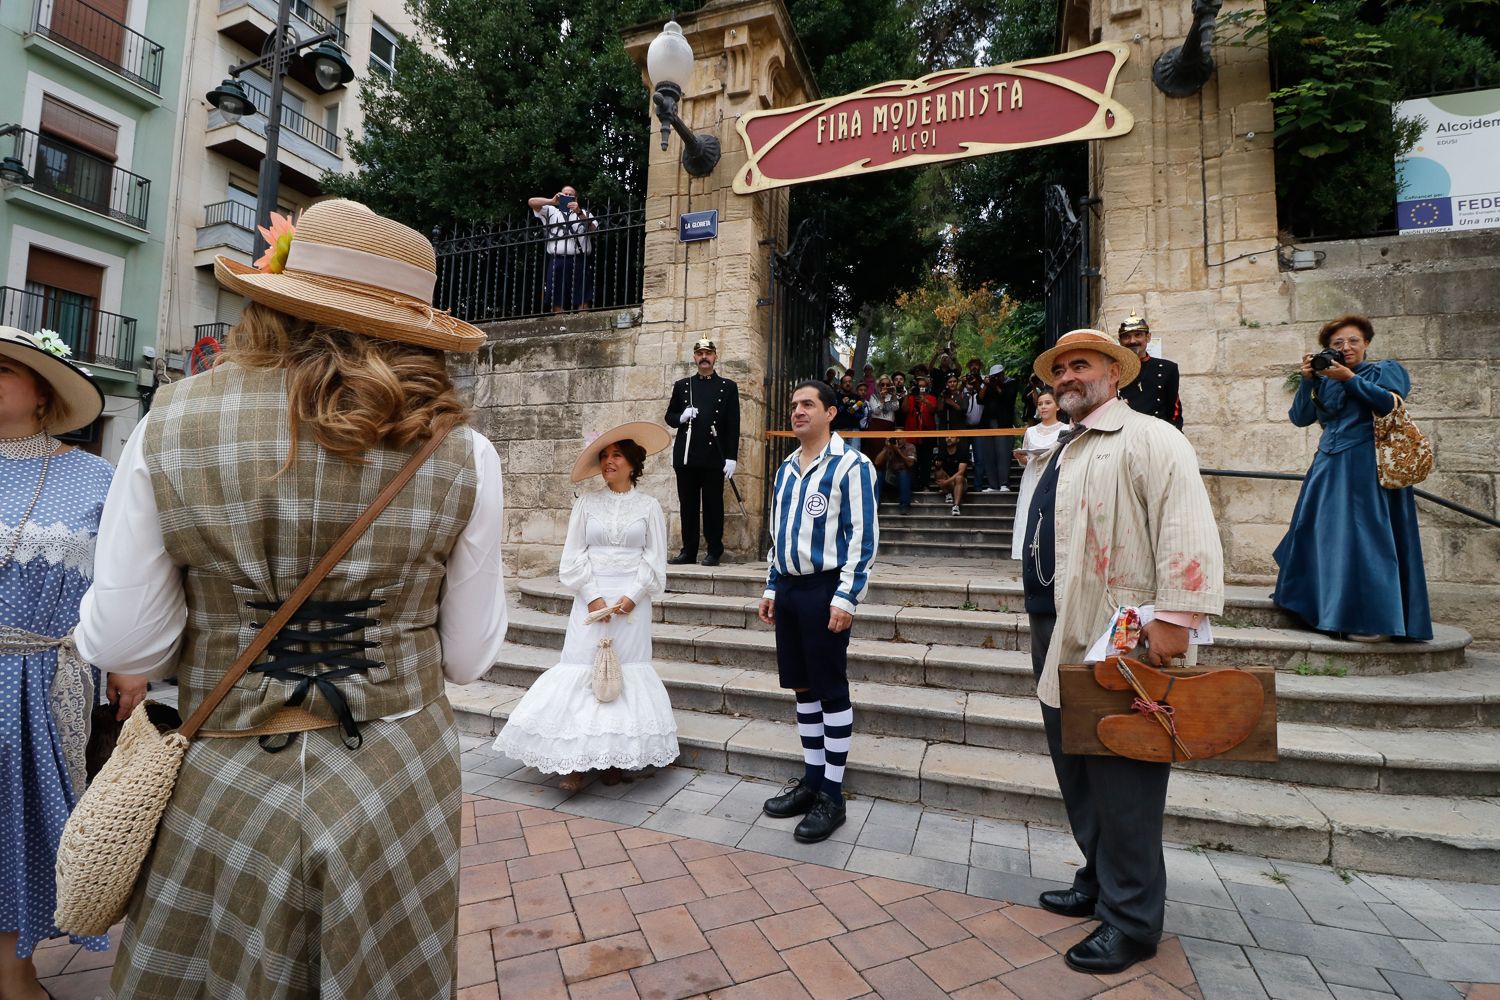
column 712, row 559
column 825, row 816
column 795, row 799
column 1107, row 951
column 1067, row 902
column 683, row 558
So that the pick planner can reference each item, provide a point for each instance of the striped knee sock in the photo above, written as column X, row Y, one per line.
column 810, row 728
column 838, row 729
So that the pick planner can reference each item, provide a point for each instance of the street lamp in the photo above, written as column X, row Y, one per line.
column 329, row 69
column 669, row 59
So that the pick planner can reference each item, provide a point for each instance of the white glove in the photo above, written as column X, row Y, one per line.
column 729, row 466
column 688, row 414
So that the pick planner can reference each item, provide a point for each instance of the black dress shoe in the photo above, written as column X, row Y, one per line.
column 825, row 816
column 1067, row 902
column 683, row 558
column 1107, row 951
column 795, row 799
column 712, row 559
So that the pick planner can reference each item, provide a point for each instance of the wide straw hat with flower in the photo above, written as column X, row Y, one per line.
column 652, row 437
column 344, row 266
column 45, row 353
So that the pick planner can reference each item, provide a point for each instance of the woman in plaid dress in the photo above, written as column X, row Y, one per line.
column 321, row 862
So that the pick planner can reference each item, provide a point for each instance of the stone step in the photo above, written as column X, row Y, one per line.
column 945, row 550
column 1455, row 699
column 1292, row 650
column 1443, row 837
column 942, row 520
column 897, row 531
column 1462, row 762
column 1000, row 504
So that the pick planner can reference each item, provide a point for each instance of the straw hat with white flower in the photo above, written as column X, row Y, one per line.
column 81, row 401
column 344, row 266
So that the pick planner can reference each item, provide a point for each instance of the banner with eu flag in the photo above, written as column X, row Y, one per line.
column 1448, row 183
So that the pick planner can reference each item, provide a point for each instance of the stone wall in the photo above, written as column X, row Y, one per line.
column 1432, row 298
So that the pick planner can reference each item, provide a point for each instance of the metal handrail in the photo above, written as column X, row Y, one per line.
column 93, row 335
column 232, row 213
column 77, row 176
column 295, row 120
column 1297, row 477
column 94, row 34
column 218, row 331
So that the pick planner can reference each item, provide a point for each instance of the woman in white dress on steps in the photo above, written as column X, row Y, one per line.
column 615, row 556
column 1039, row 437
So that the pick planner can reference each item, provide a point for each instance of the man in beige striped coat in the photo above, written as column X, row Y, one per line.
column 1119, row 517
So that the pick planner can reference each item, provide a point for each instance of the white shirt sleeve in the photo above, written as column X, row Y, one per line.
column 132, row 617
column 472, row 614
column 651, row 578
column 575, row 571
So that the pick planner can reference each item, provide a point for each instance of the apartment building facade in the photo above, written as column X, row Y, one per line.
column 217, row 178
column 89, row 111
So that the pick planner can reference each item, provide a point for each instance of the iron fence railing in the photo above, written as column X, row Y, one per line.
column 95, row 35
column 320, row 22
column 94, row 336
column 496, row 273
column 295, row 120
column 1297, row 477
column 1066, row 257
column 217, row 331
column 232, row 213
column 65, row 171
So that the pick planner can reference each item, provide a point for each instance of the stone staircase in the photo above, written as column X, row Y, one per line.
column 982, row 531
column 1390, row 754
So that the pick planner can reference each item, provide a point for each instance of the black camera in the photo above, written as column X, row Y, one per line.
column 563, row 200
column 1326, row 359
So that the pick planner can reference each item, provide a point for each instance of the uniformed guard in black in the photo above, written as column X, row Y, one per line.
column 1154, row 391
column 705, row 409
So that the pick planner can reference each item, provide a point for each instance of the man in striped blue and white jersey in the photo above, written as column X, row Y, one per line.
column 823, row 537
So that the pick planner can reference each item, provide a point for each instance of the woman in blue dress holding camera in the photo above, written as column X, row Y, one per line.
column 1351, row 562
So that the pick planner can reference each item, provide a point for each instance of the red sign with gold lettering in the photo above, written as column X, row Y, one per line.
column 947, row 115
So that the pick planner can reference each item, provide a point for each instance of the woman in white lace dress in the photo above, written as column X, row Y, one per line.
column 615, row 556
column 1040, row 437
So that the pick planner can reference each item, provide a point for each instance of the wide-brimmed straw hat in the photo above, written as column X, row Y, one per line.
column 1089, row 340
column 346, row 267
column 82, row 400
column 650, row 436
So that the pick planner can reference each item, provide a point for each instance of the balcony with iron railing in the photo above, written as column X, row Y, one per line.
column 70, row 174
column 251, row 22
column 93, row 34
column 218, row 331
column 293, row 120
column 227, row 224
column 95, row 337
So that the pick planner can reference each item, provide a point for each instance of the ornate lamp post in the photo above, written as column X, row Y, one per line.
column 669, row 60
column 1182, row 71
column 330, row 69
column 13, row 168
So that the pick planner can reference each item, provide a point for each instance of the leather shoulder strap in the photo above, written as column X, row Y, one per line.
column 289, row 607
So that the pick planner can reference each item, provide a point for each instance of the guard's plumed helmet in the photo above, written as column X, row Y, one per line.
column 1133, row 323
column 704, row 344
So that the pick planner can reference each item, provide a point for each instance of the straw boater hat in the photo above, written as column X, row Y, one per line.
column 652, row 437
column 349, row 268
column 82, row 401
column 1089, row 340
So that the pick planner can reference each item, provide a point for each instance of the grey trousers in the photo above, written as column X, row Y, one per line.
column 1115, row 808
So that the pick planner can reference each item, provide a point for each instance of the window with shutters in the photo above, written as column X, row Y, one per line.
column 75, row 155
column 62, row 294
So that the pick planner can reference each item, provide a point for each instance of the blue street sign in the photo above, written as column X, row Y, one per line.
column 694, row 226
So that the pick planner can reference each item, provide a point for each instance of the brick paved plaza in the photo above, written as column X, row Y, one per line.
column 676, row 887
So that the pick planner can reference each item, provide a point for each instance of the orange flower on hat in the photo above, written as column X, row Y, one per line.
column 278, row 239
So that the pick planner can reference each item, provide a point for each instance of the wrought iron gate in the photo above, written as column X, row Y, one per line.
column 1067, row 265
column 796, row 340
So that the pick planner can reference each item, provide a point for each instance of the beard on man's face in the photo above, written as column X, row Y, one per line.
column 1084, row 400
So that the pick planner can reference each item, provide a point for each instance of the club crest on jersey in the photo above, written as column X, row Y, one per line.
column 816, row 506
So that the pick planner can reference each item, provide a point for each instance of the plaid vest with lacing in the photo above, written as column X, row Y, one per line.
column 246, row 537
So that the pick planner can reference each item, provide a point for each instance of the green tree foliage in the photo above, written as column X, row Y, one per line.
column 519, row 98
column 980, row 322
column 877, row 236
column 1338, row 66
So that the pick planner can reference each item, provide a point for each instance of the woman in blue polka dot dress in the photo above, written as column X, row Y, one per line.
column 51, row 497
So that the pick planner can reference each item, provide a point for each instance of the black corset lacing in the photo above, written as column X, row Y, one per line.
column 296, row 647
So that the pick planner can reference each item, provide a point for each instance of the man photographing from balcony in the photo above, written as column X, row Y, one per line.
column 569, row 242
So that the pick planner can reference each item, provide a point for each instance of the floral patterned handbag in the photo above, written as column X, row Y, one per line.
column 1403, row 454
